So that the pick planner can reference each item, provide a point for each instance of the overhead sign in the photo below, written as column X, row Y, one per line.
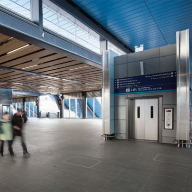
column 6, row 96
column 146, row 83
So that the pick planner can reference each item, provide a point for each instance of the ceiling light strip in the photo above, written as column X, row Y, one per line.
column 18, row 49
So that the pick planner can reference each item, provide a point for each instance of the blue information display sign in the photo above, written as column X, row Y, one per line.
column 146, row 83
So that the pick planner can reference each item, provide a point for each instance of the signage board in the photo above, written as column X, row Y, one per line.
column 146, row 83
column 6, row 96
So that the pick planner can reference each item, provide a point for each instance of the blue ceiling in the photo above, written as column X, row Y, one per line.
column 150, row 22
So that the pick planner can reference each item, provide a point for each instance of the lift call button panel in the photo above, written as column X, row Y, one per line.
column 168, row 118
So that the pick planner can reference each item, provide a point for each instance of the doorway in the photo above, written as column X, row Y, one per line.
column 146, row 119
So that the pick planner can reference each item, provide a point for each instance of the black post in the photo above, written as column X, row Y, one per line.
column 83, row 105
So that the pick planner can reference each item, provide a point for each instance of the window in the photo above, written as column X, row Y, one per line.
column 64, row 24
column 72, row 108
column 66, row 108
column 21, row 107
column 97, row 107
column 48, row 103
column 31, row 109
column 89, row 107
column 35, row 109
column 115, row 49
column 79, row 108
column 21, row 7
column 27, row 108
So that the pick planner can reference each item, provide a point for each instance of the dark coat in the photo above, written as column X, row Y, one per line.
column 17, row 121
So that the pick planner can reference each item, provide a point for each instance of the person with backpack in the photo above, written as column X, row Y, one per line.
column 17, row 123
column 6, row 134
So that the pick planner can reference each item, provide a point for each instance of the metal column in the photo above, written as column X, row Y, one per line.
column 84, row 105
column 108, row 100
column 62, row 107
column 103, row 44
column 183, row 85
column 23, row 100
column 37, row 12
column 38, row 108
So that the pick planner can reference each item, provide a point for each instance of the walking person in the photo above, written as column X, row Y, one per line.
column 24, row 116
column 6, row 134
column 17, row 123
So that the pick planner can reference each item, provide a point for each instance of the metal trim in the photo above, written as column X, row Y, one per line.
column 160, row 103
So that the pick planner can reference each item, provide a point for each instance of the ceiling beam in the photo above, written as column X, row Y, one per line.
column 31, row 93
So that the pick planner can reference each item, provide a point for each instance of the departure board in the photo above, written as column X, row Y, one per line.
column 146, row 83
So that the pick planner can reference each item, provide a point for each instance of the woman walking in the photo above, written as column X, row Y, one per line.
column 6, row 134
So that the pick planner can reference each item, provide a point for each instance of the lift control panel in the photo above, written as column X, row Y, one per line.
column 168, row 118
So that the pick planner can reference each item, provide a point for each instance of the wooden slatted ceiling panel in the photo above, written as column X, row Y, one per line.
column 79, row 75
column 39, row 61
column 11, row 45
column 3, row 37
column 63, row 73
column 27, row 58
column 59, row 64
column 19, row 53
column 14, row 76
column 56, row 67
column 17, row 77
column 63, row 69
column 50, row 64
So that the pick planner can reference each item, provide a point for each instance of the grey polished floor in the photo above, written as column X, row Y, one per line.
column 70, row 155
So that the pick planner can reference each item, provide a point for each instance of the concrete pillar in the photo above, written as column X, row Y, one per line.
column 183, row 85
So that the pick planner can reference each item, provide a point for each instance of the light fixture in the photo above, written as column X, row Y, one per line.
column 18, row 49
column 29, row 67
